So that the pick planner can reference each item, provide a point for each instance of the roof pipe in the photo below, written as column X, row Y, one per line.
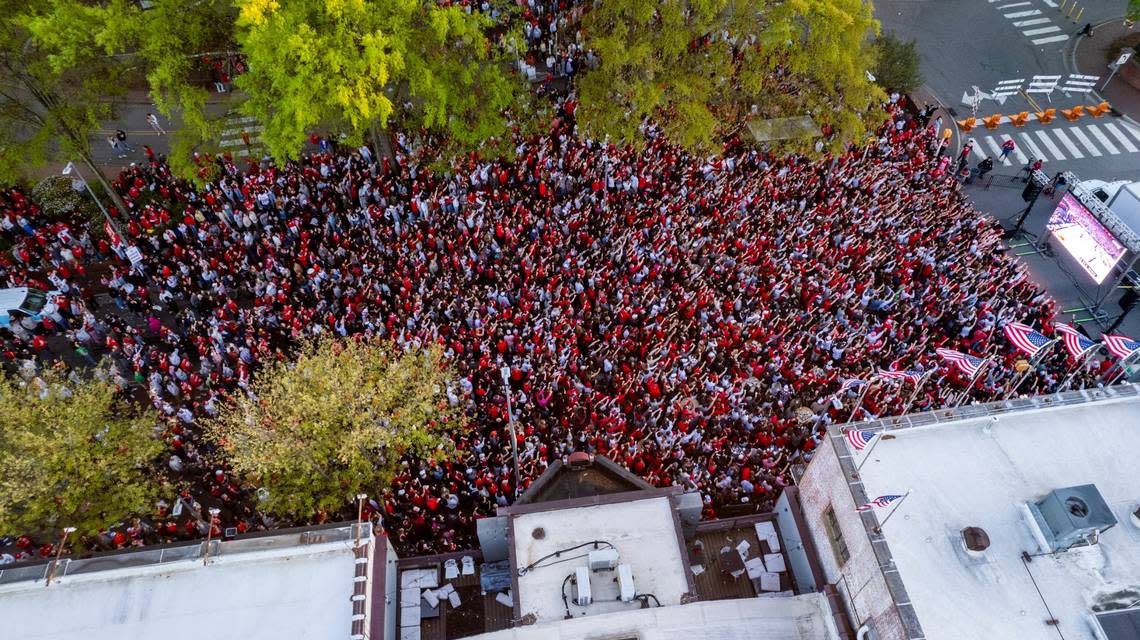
column 864, row 633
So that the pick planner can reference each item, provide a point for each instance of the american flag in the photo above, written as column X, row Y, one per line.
column 912, row 375
column 1075, row 341
column 1025, row 338
column 965, row 362
column 859, row 439
column 880, row 502
column 851, row 383
column 1120, row 346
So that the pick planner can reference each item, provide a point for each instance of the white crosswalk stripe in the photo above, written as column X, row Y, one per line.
column 1131, row 129
column 1060, row 133
column 1045, row 140
column 1084, row 140
column 1063, row 142
column 1123, row 139
column 231, row 135
column 1028, row 142
column 996, row 148
column 978, row 150
column 1041, row 29
column 1017, row 152
column 1103, row 139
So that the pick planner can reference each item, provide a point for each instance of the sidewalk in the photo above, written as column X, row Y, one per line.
column 1090, row 56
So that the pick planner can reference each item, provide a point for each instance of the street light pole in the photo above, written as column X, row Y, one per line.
column 360, row 498
column 67, row 171
column 505, row 372
column 59, row 553
column 214, row 511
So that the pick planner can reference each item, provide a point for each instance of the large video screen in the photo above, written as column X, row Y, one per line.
column 1085, row 238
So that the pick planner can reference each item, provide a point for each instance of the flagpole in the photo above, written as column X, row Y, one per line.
column 1080, row 364
column 898, row 503
column 859, row 402
column 1123, row 364
column 1033, row 362
column 917, row 386
column 878, row 436
column 973, row 379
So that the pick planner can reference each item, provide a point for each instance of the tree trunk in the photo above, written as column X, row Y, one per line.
column 106, row 184
column 383, row 144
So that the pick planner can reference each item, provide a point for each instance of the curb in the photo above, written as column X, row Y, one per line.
column 1071, row 64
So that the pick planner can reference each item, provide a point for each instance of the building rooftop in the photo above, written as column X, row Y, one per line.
column 805, row 617
column 283, row 586
column 589, row 476
column 642, row 531
column 981, row 472
column 522, row 582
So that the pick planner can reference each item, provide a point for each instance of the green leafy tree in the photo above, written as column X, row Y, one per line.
column 896, row 67
column 335, row 423
column 52, row 101
column 166, row 42
column 170, row 40
column 72, row 454
column 701, row 70
column 352, row 65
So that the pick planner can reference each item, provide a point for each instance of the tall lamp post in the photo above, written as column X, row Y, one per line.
column 505, row 372
column 59, row 553
column 71, row 168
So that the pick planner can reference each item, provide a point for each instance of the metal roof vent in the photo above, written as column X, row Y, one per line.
column 976, row 539
column 1070, row 517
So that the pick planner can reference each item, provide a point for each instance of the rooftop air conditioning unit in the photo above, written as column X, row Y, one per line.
column 1071, row 517
column 625, row 583
column 603, row 559
column 582, row 595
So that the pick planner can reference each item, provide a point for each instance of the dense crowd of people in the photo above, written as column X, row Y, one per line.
column 695, row 319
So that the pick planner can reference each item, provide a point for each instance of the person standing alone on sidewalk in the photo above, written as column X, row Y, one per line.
column 152, row 120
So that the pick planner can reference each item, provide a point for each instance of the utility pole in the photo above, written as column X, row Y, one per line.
column 58, row 554
column 67, row 170
column 505, row 372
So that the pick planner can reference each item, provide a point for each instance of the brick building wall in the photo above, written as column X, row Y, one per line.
column 859, row 580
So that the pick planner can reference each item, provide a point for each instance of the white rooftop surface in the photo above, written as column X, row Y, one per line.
column 645, row 537
column 805, row 617
column 300, row 592
column 964, row 474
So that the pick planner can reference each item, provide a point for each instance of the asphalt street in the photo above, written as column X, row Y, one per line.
column 968, row 43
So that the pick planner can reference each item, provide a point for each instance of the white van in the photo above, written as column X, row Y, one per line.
column 23, row 301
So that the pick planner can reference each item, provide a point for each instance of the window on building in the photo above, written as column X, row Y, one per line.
column 835, row 536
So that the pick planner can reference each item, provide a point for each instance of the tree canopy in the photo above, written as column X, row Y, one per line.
column 897, row 64
column 701, row 69
column 72, row 454
column 52, row 99
column 336, row 422
column 351, row 65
